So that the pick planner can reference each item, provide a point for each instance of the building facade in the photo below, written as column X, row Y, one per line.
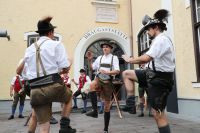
column 84, row 24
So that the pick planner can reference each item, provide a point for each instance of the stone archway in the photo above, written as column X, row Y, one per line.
column 99, row 33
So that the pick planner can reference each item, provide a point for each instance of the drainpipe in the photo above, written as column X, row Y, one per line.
column 131, row 30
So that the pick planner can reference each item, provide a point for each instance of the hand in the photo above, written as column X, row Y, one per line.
column 11, row 94
column 104, row 72
column 65, row 70
column 126, row 58
column 21, row 91
column 72, row 80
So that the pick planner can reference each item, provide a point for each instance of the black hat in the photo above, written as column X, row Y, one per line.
column 44, row 25
column 160, row 17
column 108, row 43
column 82, row 71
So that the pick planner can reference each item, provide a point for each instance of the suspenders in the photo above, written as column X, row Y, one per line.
column 38, row 58
column 106, row 65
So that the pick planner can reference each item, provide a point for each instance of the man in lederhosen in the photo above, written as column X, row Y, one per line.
column 45, row 59
column 106, row 66
column 158, row 77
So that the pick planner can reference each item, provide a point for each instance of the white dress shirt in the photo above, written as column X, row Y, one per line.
column 106, row 59
column 53, row 56
column 162, row 52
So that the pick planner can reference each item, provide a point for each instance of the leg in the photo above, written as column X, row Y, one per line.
column 101, row 107
column 142, row 101
column 67, row 108
column 84, row 98
column 21, row 106
column 129, row 78
column 84, row 106
column 14, row 105
column 149, row 107
column 45, row 127
column 75, row 103
column 33, row 122
column 93, row 97
column 158, row 94
column 106, row 115
column 161, row 121
column 77, row 93
column 43, row 115
column 65, row 121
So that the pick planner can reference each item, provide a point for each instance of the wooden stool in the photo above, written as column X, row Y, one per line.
column 116, row 89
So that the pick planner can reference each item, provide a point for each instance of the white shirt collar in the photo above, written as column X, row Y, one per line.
column 107, row 55
column 44, row 38
column 161, row 34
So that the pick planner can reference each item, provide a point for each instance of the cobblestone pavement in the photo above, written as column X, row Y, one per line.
column 129, row 124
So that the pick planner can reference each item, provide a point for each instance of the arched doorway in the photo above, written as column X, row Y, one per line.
column 92, row 37
column 97, row 51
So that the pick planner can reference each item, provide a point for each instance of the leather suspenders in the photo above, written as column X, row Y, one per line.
column 38, row 58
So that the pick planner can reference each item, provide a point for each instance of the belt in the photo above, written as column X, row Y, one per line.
column 45, row 80
column 165, row 75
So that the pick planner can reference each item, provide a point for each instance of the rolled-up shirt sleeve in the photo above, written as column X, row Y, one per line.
column 95, row 65
column 116, row 63
column 61, row 56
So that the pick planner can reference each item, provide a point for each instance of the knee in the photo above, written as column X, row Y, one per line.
column 33, row 115
column 106, row 109
column 106, row 106
column 93, row 86
column 124, row 74
column 158, row 116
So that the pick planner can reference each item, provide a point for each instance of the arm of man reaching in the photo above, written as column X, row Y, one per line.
column 20, row 68
column 137, row 60
column 66, row 70
column 11, row 90
column 74, row 82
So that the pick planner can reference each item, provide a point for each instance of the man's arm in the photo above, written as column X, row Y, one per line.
column 74, row 82
column 138, row 60
column 20, row 68
column 66, row 70
column 11, row 90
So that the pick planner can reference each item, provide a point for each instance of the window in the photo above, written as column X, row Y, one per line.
column 195, row 7
column 32, row 37
column 143, row 42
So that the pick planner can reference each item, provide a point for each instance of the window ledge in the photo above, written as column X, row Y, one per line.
column 114, row 3
column 196, row 84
